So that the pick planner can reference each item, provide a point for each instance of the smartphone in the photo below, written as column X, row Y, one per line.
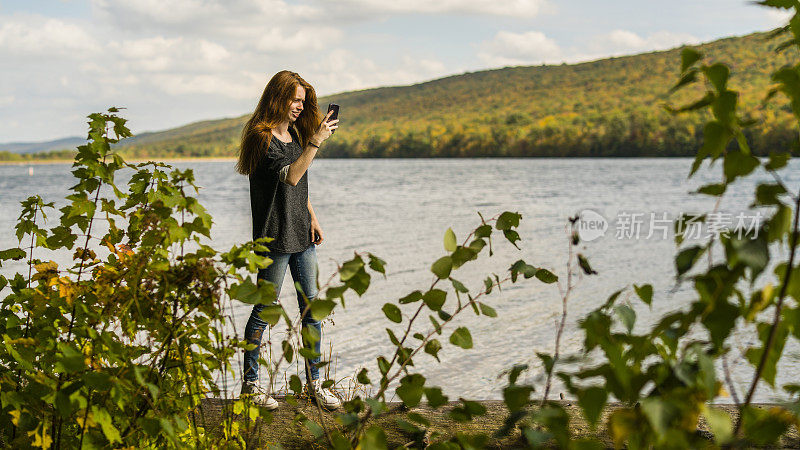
column 335, row 108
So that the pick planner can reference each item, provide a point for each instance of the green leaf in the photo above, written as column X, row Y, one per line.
column 612, row 299
column 12, row 253
column 392, row 312
column 752, row 253
column 780, row 223
column 645, row 292
column 295, row 384
column 720, row 321
column 724, row 108
column 715, row 138
column 517, row 397
column 419, row 418
column 434, row 299
column 102, row 417
column 450, row 243
column 592, row 401
column 272, row 314
column 336, row 292
column 768, row 193
column 715, row 189
column 512, row 236
column 718, row 76
column 627, row 315
column 754, row 354
column 686, row 79
column 248, row 292
column 521, row 267
column 464, row 254
column 689, row 56
column 584, row 265
column 738, row 164
column 719, row 423
column 359, row 282
column 70, row 359
column 467, row 410
column 483, row 231
column 515, row 372
column 383, row 365
column 777, row 160
column 508, row 220
column 459, row 286
column 765, row 426
column 314, row 428
column 545, row 276
column 392, row 337
column 410, row 389
column 435, row 397
column 411, row 298
column 699, row 104
column 442, row 267
column 547, row 360
column 659, row 413
column 377, row 264
column 350, row 268
column 487, row 310
column 436, row 325
column 462, row 338
column 784, row 4
column 321, row 308
column 476, row 245
column 687, row 257
column 374, row 439
column 432, row 348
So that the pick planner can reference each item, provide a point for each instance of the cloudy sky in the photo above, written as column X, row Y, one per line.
column 171, row 62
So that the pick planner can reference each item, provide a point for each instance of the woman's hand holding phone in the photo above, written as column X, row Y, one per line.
column 326, row 128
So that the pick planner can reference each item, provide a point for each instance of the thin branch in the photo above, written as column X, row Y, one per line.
column 560, row 330
column 776, row 319
column 729, row 381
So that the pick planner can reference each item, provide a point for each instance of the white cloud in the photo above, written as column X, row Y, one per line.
column 514, row 8
column 622, row 42
column 181, row 84
column 342, row 70
column 512, row 49
column 30, row 35
column 779, row 17
column 533, row 47
column 159, row 54
column 233, row 18
column 300, row 40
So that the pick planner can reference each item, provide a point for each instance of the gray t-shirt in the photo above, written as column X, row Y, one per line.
column 279, row 209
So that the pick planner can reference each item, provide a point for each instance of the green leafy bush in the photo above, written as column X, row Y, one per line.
column 118, row 347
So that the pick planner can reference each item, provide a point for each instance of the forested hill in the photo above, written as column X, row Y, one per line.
column 610, row 107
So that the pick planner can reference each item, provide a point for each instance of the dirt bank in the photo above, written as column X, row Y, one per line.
column 289, row 434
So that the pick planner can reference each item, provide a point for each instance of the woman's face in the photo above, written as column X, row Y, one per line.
column 296, row 107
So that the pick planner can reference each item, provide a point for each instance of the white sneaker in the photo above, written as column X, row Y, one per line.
column 325, row 397
column 253, row 392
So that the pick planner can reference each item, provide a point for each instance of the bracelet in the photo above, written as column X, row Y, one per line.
column 312, row 144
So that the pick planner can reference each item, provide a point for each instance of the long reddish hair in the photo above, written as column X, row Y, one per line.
column 272, row 109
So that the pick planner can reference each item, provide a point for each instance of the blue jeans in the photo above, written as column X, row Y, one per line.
column 303, row 266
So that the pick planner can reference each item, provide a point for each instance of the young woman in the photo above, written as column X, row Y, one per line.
column 278, row 144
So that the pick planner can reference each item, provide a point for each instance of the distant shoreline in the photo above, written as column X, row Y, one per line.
column 132, row 161
column 232, row 158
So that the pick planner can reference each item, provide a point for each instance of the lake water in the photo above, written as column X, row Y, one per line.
column 400, row 209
